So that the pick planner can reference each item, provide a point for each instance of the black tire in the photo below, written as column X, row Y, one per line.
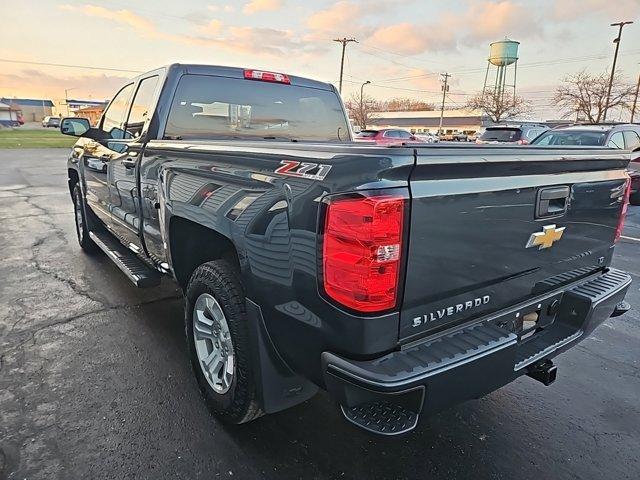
column 635, row 199
column 220, row 279
column 82, row 231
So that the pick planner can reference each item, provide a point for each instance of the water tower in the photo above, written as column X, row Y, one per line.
column 502, row 55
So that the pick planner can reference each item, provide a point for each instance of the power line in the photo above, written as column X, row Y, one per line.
column 479, row 70
column 412, row 57
column 86, row 67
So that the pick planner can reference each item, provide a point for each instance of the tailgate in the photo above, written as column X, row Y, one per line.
column 474, row 215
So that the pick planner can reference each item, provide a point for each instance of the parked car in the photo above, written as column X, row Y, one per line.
column 624, row 136
column 634, row 173
column 475, row 136
column 386, row 136
column 515, row 134
column 427, row 137
column 392, row 278
column 454, row 136
column 51, row 122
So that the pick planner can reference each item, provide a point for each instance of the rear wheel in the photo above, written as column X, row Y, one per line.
column 82, row 229
column 218, row 341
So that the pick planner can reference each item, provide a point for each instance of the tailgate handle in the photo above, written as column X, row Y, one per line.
column 552, row 202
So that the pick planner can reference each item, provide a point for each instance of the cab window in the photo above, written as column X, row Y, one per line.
column 616, row 141
column 632, row 139
column 141, row 106
column 115, row 115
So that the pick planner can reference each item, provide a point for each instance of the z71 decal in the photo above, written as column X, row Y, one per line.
column 303, row 169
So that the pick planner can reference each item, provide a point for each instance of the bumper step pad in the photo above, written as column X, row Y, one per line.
column 386, row 395
column 383, row 418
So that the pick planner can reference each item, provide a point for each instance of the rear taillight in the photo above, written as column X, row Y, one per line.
column 362, row 250
column 266, row 76
column 623, row 210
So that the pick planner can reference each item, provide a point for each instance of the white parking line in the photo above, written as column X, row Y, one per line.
column 630, row 238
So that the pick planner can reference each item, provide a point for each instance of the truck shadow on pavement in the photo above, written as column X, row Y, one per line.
column 313, row 440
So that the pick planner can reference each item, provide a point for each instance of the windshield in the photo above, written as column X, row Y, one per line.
column 584, row 138
column 210, row 107
column 501, row 135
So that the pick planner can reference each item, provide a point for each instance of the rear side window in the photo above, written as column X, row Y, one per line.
column 616, row 141
column 141, row 106
column 210, row 107
column 533, row 133
column 565, row 138
column 502, row 134
column 631, row 139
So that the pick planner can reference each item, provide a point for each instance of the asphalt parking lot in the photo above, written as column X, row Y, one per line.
column 95, row 381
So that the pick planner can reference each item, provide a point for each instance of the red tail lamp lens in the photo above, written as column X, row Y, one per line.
column 361, row 251
column 623, row 210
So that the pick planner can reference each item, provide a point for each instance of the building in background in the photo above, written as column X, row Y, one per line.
column 31, row 109
column 70, row 107
column 8, row 116
column 92, row 113
column 425, row 121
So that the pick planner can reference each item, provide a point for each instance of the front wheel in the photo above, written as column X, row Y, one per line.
column 82, row 229
column 218, row 341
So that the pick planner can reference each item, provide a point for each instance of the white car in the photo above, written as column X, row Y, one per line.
column 428, row 137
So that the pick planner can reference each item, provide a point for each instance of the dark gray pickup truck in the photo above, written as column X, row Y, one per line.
column 400, row 279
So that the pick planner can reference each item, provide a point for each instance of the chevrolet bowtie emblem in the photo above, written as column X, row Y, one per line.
column 545, row 238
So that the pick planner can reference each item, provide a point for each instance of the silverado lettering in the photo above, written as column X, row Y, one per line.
column 451, row 310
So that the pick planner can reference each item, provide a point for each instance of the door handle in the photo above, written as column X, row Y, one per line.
column 129, row 162
column 552, row 201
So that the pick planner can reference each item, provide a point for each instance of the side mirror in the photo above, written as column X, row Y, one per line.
column 74, row 126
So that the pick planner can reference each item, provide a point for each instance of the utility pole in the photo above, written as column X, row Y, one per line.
column 635, row 100
column 344, row 42
column 363, row 118
column 445, row 88
column 620, row 25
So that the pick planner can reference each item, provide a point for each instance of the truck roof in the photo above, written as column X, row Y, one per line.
column 232, row 72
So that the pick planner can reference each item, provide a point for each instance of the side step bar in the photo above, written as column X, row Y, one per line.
column 135, row 269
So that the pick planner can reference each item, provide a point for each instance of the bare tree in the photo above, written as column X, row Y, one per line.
column 405, row 104
column 584, row 95
column 361, row 110
column 499, row 106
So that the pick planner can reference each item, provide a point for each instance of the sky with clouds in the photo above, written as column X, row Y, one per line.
column 402, row 46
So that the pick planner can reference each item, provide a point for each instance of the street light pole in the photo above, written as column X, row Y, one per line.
column 344, row 42
column 362, row 116
column 620, row 25
column 66, row 98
